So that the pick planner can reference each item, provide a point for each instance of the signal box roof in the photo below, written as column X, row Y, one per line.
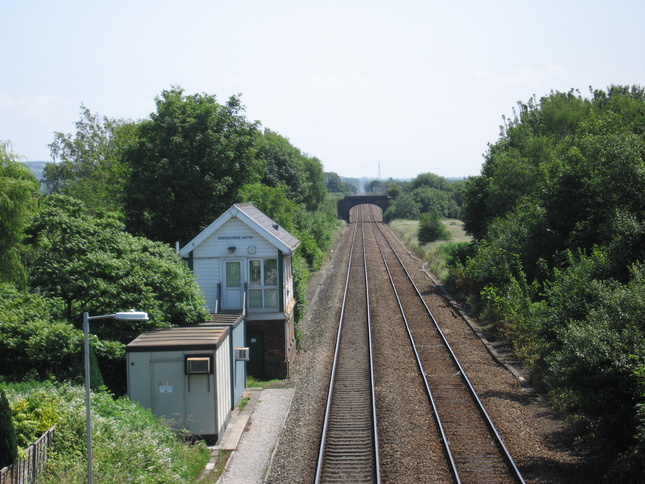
column 256, row 220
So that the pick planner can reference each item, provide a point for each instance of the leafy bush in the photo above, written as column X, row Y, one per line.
column 91, row 264
column 403, row 207
column 34, row 337
column 301, row 274
column 18, row 192
column 596, row 370
column 431, row 228
column 559, row 219
column 8, row 442
column 129, row 443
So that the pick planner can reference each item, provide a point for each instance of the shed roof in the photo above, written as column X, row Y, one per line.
column 255, row 219
column 186, row 338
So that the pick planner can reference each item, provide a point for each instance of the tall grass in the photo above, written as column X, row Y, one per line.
column 407, row 230
column 130, row 444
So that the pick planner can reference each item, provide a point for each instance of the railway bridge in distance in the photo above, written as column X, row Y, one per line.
column 344, row 205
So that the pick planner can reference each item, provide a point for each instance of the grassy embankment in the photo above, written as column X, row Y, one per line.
column 406, row 231
column 129, row 443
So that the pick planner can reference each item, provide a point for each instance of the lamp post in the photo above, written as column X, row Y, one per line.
column 123, row 316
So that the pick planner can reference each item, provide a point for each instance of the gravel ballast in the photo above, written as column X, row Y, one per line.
column 536, row 435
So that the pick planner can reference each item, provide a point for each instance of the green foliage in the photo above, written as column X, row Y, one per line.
column 377, row 185
column 317, row 191
column 273, row 202
column 403, row 207
column 321, row 225
column 474, row 211
column 187, row 165
column 286, row 166
column 597, row 366
column 35, row 413
column 27, row 322
column 89, row 164
column 559, row 216
column 18, row 192
column 424, row 194
column 334, row 184
column 431, row 228
column 37, row 342
column 570, row 292
column 8, row 441
column 393, row 191
column 93, row 265
column 456, row 254
column 301, row 274
column 150, row 453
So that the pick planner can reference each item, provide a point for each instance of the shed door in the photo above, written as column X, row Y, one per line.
column 232, row 283
column 168, row 398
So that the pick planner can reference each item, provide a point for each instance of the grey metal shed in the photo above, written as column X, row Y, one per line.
column 184, row 375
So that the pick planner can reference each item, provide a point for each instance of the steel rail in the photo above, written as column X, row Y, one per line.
column 491, row 426
column 444, row 438
column 336, row 364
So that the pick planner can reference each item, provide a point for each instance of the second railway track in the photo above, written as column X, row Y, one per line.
column 460, row 442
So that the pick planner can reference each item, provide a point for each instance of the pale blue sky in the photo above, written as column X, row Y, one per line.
column 417, row 86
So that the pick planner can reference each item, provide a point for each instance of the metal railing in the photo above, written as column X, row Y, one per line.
column 28, row 469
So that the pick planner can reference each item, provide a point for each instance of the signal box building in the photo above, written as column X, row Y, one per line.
column 243, row 264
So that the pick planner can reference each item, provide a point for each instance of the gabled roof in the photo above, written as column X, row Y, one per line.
column 256, row 220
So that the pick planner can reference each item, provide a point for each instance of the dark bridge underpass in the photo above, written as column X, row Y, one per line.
column 344, row 205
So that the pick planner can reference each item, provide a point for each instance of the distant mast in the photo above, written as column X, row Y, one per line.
column 379, row 170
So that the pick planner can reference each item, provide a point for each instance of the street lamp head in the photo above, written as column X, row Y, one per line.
column 131, row 316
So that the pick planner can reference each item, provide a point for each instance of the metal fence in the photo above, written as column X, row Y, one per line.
column 29, row 468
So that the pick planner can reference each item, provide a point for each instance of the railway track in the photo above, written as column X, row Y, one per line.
column 349, row 452
column 349, row 443
column 473, row 446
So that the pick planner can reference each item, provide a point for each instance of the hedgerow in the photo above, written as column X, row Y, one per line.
column 129, row 443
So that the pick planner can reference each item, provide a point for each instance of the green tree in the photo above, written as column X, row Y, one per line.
column 188, row 164
column 393, row 191
column 93, row 265
column 433, row 199
column 27, row 321
column 333, row 182
column 403, row 207
column 88, row 165
column 474, row 211
column 378, row 186
column 287, row 165
column 18, row 193
column 431, row 228
column 596, row 368
column 559, row 214
column 317, row 191
column 283, row 165
column 8, row 442
column 430, row 180
column 272, row 201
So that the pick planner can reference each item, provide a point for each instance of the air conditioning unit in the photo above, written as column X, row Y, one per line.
column 241, row 354
column 198, row 365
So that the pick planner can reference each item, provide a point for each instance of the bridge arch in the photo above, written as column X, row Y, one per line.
column 344, row 205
